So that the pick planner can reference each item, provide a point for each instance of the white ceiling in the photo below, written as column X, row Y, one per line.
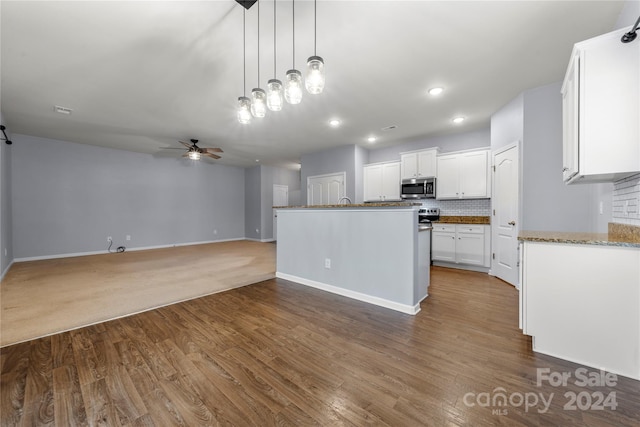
column 140, row 75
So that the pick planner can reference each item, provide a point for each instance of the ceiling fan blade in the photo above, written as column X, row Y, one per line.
column 213, row 156
column 213, row 150
column 186, row 144
column 185, row 155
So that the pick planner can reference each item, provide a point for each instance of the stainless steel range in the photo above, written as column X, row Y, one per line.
column 425, row 216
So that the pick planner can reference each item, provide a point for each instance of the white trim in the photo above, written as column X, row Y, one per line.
column 6, row 270
column 259, row 240
column 468, row 267
column 141, row 248
column 403, row 308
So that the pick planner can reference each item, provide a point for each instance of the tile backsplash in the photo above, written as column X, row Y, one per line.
column 469, row 207
column 626, row 200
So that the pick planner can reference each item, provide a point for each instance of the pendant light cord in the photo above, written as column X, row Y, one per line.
column 315, row 31
column 244, row 52
column 274, row 39
column 294, row 33
column 258, row 44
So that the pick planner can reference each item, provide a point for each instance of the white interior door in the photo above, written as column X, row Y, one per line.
column 325, row 189
column 280, row 198
column 506, row 184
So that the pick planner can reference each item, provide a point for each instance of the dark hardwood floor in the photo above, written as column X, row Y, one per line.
column 278, row 353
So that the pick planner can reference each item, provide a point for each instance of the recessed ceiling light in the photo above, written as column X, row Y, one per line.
column 371, row 139
column 458, row 120
column 257, row 160
column 436, row 91
column 334, row 123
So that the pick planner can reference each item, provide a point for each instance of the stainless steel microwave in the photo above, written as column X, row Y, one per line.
column 418, row 188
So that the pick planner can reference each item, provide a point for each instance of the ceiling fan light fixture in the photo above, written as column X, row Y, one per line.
column 314, row 80
column 293, row 87
column 194, row 155
column 275, row 96
column 258, row 103
column 244, row 110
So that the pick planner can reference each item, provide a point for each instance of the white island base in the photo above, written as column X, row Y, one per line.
column 372, row 254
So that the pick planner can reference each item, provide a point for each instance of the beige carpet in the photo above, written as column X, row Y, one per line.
column 40, row 298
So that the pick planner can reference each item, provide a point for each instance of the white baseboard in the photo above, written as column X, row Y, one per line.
column 6, row 270
column 260, row 240
column 403, row 308
column 461, row 266
column 141, row 248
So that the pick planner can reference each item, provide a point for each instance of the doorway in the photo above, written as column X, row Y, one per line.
column 505, row 202
column 280, row 198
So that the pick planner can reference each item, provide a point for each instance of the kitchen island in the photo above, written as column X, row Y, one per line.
column 372, row 252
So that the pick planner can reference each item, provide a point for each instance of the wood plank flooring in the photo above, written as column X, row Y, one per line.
column 278, row 353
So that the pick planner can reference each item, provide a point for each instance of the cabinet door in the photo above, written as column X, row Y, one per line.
column 372, row 183
column 427, row 163
column 570, row 103
column 443, row 246
column 447, row 180
column 390, row 185
column 409, row 165
column 474, row 171
column 470, row 248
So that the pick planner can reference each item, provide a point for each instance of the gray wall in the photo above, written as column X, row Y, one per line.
column 67, row 198
column 334, row 160
column 269, row 176
column 548, row 203
column 447, row 143
column 253, row 203
column 507, row 124
column 6, row 223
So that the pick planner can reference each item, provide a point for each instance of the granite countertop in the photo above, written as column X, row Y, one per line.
column 464, row 220
column 617, row 235
column 355, row 205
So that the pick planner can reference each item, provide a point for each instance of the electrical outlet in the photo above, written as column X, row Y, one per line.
column 5, row 251
column 215, row 231
column 257, row 231
column 327, row 263
column 601, row 208
column 109, row 239
column 128, row 237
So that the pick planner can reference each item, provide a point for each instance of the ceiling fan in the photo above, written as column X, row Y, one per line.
column 194, row 152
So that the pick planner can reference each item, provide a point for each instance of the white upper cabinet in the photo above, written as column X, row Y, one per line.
column 463, row 175
column 601, row 110
column 419, row 164
column 382, row 182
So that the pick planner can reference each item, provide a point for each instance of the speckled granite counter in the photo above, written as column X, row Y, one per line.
column 356, row 205
column 464, row 220
column 618, row 235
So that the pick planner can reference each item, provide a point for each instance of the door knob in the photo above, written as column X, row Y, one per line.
column 511, row 223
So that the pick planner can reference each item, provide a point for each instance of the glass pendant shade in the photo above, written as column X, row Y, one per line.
column 314, row 80
column 293, row 87
column 194, row 155
column 244, row 110
column 274, row 95
column 258, row 103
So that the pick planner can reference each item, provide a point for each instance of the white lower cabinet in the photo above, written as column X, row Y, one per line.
column 465, row 244
column 582, row 303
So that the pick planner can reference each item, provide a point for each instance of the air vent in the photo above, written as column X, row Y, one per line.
column 62, row 110
column 389, row 128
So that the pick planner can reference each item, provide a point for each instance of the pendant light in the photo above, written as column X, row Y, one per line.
column 244, row 104
column 258, row 96
column 274, row 86
column 293, row 83
column 314, row 80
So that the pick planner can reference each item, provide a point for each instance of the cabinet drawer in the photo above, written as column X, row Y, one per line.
column 472, row 229
column 448, row 228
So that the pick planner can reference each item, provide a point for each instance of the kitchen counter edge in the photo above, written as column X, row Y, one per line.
column 617, row 235
column 355, row 205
